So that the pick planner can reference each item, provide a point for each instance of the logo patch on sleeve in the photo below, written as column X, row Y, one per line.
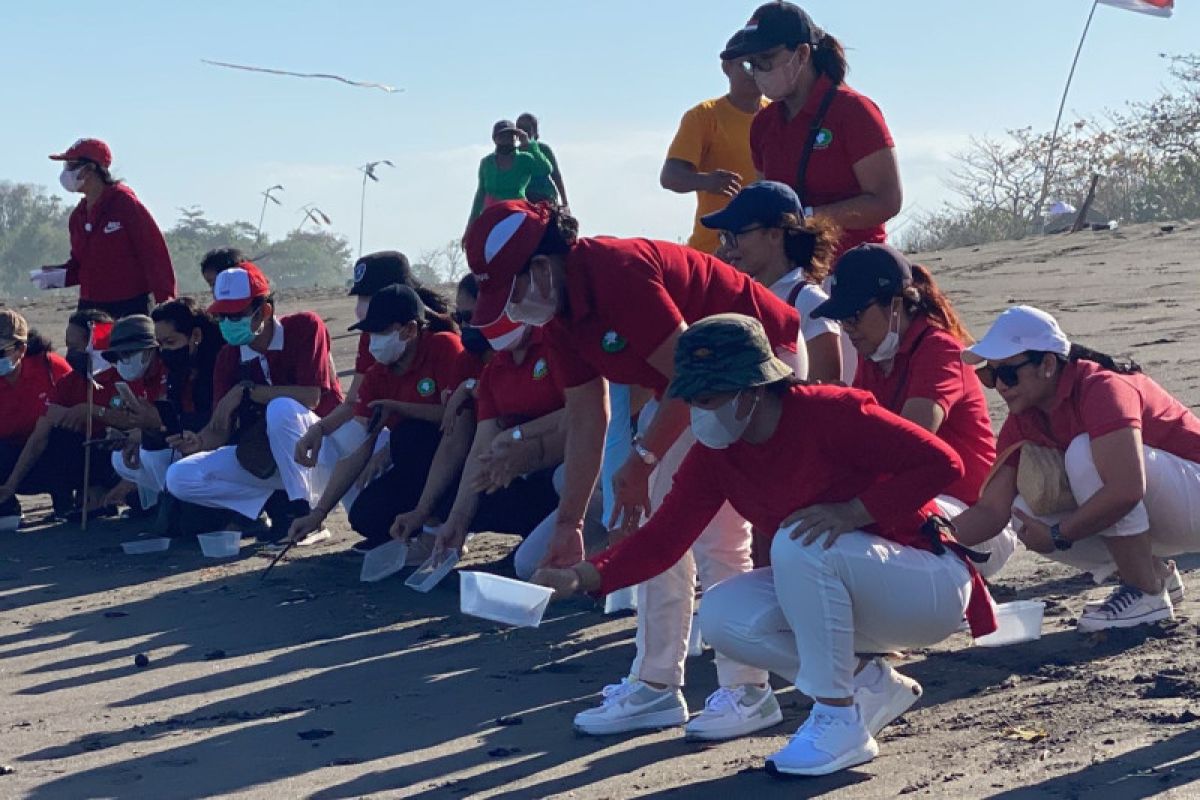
column 426, row 387
column 540, row 369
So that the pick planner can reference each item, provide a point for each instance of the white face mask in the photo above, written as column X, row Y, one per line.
column 720, row 427
column 535, row 309
column 890, row 345
column 387, row 348
column 71, row 179
column 132, row 367
column 511, row 340
column 360, row 307
column 781, row 81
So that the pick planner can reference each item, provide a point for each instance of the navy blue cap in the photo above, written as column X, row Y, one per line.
column 761, row 203
column 772, row 25
column 861, row 276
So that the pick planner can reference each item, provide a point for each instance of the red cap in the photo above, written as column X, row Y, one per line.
column 92, row 149
column 499, row 244
column 237, row 288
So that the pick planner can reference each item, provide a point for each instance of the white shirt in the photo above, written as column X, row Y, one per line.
column 249, row 353
column 808, row 298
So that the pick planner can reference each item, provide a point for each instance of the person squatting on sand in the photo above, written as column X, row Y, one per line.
column 861, row 563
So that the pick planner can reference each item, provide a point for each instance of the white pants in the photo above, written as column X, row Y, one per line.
column 1000, row 547
column 1170, row 509
column 807, row 616
column 151, row 474
column 215, row 479
column 667, row 601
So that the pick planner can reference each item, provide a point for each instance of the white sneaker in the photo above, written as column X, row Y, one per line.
column 830, row 740
column 736, row 711
column 1174, row 590
column 882, row 694
column 315, row 537
column 633, row 706
column 1125, row 608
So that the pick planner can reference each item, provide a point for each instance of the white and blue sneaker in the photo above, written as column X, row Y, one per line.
column 1127, row 607
column 735, row 711
column 632, row 705
column 882, row 694
column 833, row 738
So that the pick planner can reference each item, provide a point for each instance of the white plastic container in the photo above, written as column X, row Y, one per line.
column 383, row 561
column 1020, row 621
column 430, row 574
column 621, row 600
column 220, row 544
column 139, row 547
column 503, row 599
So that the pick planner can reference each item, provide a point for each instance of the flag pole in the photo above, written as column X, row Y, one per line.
column 1062, row 107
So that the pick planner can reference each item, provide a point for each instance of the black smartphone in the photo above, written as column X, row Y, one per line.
column 376, row 420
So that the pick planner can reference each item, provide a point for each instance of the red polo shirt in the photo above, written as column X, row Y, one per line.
column 117, row 250
column 516, row 393
column 440, row 363
column 832, row 445
column 853, row 129
column 1095, row 401
column 363, row 360
column 929, row 366
column 626, row 296
column 24, row 400
column 302, row 360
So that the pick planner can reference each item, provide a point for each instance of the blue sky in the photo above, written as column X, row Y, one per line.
column 609, row 81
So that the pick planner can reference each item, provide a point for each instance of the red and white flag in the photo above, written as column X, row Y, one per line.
column 1159, row 8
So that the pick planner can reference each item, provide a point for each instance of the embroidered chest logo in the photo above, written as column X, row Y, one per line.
column 613, row 342
column 426, row 387
column 824, row 139
column 540, row 369
column 112, row 227
column 360, row 270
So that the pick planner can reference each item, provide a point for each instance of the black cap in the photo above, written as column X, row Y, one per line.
column 772, row 25
column 505, row 126
column 129, row 335
column 390, row 305
column 374, row 271
column 862, row 276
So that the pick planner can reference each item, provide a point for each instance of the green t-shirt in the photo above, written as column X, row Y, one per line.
column 497, row 184
column 541, row 187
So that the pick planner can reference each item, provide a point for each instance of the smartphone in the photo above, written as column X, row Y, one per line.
column 376, row 420
column 169, row 417
column 127, row 395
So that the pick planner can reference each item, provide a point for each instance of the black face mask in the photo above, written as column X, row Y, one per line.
column 474, row 341
column 175, row 360
column 78, row 360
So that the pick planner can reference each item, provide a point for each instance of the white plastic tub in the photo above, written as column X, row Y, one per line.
column 220, row 544
column 139, row 547
column 384, row 561
column 503, row 599
column 1020, row 621
column 430, row 574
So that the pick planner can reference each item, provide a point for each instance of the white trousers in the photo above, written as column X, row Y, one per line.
column 1170, row 509
column 807, row 616
column 215, row 479
column 666, row 602
column 1000, row 547
column 151, row 474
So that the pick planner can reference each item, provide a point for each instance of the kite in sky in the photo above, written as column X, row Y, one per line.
column 361, row 84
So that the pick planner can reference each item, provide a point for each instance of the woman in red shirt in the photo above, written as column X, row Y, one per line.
column 857, row 564
column 910, row 342
column 1130, row 452
column 819, row 136
column 119, row 258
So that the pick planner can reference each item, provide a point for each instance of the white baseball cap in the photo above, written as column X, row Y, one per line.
column 1017, row 330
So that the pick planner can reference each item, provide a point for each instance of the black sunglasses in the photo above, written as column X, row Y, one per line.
column 1007, row 373
column 730, row 238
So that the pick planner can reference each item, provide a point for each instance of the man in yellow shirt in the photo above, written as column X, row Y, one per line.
column 711, row 152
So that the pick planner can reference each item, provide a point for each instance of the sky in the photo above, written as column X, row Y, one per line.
column 609, row 81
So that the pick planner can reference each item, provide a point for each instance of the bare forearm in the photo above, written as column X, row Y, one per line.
column 466, row 502
column 863, row 211
column 680, row 177
column 670, row 420
column 447, row 463
column 1101, row 511
column 345, row 474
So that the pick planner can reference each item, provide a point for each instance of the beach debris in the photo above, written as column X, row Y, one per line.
column 509, row 721
column 1030, row 735
column 315, row 734
column 5, row 769
column 503, row 752
column 141, row 661
column 115, row 614
column 214, row 655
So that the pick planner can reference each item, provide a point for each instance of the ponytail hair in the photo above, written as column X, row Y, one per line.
column 924, row 297
column 561, row 234
column 829, row 59
column 440, row 322
column 431, row 298
column 36, row 344
column 1080, row 353
column 810, row 244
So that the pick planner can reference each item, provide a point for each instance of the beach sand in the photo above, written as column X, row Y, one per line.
column 313, row 685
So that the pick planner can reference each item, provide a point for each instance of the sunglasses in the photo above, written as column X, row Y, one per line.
column 730, row 239
column 1005, row 373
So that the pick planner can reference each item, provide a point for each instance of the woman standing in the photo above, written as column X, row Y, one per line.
column 1128, row 462
column 506, row 173
column 860, row 565
column 543, row 187
column 819, row 136
column 119, row 258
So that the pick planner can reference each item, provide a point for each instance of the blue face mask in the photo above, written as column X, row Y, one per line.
column 238, row 332
column 6, row 366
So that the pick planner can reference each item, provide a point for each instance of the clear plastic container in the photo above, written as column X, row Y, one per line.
column 1020, row 621
column 140, row 547
column 430, row 574
column 503, row 599
column 383, row 561
column 220, row 544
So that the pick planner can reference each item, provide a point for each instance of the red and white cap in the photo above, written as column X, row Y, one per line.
column 1018, row 330
column 499, row 244
column 93, row 150
column 237, row 288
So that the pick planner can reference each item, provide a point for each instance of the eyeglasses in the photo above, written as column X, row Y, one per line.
column 854, row 320
column 1006, row 373
column 762, row 62
column 730, row 239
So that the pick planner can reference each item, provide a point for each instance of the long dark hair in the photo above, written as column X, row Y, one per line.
column 924, row 297
column 1080, row 353
column 810, row 244
column 185, row 315
column 829, row 58
column 561, row 234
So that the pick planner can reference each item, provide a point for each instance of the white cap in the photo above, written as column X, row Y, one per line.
column 1017, row 330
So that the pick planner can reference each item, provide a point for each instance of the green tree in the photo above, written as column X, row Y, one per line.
column 33, row 233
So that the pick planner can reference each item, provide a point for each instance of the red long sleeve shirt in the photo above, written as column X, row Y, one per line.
column 117, row 250
column 832, row 445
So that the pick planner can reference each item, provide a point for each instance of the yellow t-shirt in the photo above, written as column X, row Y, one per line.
column 714, row 135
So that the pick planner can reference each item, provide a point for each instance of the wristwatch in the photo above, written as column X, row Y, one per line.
column 517, row 433
column 645, row 454
column 1060, row 543
column 470, row 383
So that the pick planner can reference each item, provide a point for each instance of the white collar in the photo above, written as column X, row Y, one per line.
column 249, row 353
